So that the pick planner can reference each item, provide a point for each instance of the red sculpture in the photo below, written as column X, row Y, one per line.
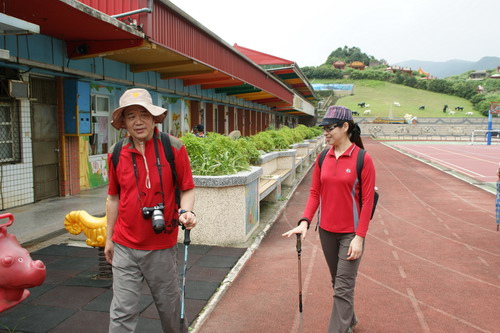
column 17, row 270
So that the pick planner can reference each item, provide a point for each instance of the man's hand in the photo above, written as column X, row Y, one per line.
column 188, row 220
column 109, row 251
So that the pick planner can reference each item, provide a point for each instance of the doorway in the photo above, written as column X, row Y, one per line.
column 44, row 136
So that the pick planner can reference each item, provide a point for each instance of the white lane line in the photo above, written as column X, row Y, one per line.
column 452, row 316
column 448, row 164
column 431, row 262
column 439, row 234
column 483, row 261
column 447, row 227
column 402, row 272
column 416, row 307
column 440, row 219
column 457, row 236
column 390, row 242
column 386, row 232
column 395, row 254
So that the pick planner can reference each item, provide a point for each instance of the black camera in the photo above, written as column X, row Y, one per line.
column 156, row 215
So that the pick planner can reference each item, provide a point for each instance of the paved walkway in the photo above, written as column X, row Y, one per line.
column 431, row 265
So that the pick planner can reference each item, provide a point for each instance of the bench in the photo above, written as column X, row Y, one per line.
column 302, row 158
column 277, row 169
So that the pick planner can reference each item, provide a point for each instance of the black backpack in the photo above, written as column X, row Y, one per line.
column 359, row 166
column 169, row 154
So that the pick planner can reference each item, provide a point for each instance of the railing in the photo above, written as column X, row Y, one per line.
column 495, row 135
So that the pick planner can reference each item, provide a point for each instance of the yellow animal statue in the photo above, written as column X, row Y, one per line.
column 93, row 227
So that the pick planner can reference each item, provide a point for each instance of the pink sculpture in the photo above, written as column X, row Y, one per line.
column 17, row 270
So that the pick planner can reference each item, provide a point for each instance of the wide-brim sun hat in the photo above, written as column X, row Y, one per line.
column 137, row 96
column 335, row 114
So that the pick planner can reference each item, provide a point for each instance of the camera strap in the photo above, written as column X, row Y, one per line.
column 136, row 172
column 158, row 165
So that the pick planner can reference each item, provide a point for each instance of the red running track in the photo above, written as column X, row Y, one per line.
column 478, row 161
column 431, row 262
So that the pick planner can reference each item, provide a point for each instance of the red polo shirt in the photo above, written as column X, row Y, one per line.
column 336, row 187
column 131, row 229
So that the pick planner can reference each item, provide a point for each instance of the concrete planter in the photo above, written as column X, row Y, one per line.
column 227, row 208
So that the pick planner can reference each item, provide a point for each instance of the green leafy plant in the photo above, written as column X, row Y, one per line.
column 263, row 141
column 279, row 140
column 217, row 154
column 249, row 149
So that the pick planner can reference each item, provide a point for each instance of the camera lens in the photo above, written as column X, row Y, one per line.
column 158, row 221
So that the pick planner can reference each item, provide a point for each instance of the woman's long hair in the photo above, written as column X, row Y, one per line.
column 354, row 133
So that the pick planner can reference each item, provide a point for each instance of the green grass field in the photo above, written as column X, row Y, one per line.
column 382, row 95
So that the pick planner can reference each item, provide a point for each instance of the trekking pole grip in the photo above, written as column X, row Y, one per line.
column 299, row 243
column 187, row 236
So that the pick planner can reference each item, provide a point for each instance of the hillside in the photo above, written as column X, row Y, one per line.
column 382, row 95
column 451, row 67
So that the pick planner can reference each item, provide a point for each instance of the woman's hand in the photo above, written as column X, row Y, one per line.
column 300, row 229
column 355, row 248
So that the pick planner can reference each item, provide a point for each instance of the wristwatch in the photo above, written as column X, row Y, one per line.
column 182, row 211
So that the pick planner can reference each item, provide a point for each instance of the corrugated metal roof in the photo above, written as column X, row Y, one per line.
column 172, row 28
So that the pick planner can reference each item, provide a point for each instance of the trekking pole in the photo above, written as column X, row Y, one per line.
column 187, row 241
column 299, row 250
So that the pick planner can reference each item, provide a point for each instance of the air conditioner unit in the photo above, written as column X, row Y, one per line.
column 18, row 89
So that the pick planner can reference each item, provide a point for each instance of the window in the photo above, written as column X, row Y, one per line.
column 99, row 128
column 10, row 146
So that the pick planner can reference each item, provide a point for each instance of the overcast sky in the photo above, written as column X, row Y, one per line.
column 307, row 31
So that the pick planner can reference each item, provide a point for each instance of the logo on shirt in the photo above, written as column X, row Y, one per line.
column 348, row 170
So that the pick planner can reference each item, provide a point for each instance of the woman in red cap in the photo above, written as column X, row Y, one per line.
column 343, row 221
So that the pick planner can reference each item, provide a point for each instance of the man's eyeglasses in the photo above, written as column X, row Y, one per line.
column 332, row 127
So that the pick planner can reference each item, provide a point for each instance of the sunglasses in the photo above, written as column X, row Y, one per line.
column 332, row 127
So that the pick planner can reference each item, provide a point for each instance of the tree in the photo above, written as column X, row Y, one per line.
column 348, row 55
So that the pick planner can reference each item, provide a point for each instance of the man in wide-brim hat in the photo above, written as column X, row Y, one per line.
column 143, row 216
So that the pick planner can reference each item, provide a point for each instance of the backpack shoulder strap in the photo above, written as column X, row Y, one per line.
column 169, row 154
column 115, row 157
column 359, row 167
column 167, row 147
column 322, row 156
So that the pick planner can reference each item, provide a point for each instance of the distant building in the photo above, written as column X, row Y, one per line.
column 375, row 63
column 425, row 75
column 478, row 75
column 398, row 69
column 339, row 64
column 357, row 65
column 497, row 75
column 407, row 70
